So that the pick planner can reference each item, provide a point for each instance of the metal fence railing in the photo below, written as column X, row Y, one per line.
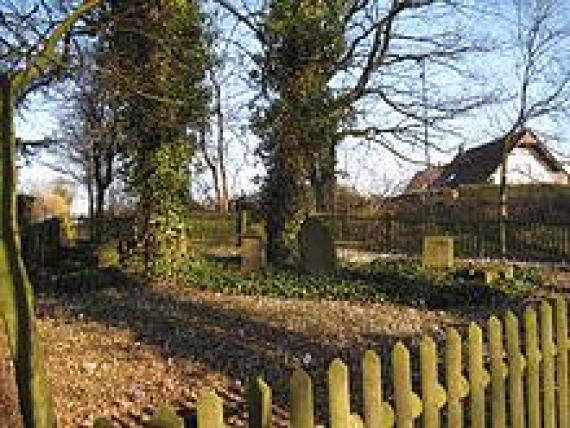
column 526, row 240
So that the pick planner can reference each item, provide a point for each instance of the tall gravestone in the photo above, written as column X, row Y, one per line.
column 438, row 252
column 253, row 249
column 316, row 248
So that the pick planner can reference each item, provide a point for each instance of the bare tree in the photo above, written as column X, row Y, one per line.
column 213, row 145
column 537, row 40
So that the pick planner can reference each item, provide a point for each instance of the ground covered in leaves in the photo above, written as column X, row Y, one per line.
column 116, row 348
column 120, row 350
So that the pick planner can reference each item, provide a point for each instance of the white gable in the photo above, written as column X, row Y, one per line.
column 524, row 166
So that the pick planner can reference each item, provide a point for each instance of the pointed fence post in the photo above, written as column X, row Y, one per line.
column 498, row 373
column 533, row 358
column 548, row 355
column 478, row 377
column 377, row 413
column 259, row 404
column 408, row 405
column 516, row 371
column 210, row 410
column 339, row 399
column 457, row 386
column 302, row 407
column 165, row 417
column 562, row 361
column 433, row 394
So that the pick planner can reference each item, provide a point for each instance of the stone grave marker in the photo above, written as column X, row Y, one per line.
column 316, row 248
column 253, row 250
column 438, row 252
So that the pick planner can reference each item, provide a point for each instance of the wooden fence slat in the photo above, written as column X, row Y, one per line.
column 478, row 377
column 533, row 359
column 210, row 410
column 456, row 384
column 259, row 404
column 516, row 363
column 433, row 394
column 548, row 355
column 339, row 399
column 377, row 412
column 302, row 404
column 355, row 421
column 562, row 361
column 407, row 404
column 498, row 373
column 372, row 389
column 165, row 417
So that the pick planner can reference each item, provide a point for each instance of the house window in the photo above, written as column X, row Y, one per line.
column 451, row 177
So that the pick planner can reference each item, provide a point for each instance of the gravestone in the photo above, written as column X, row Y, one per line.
column 438, row 252
column 253, row 250
column 316, row 248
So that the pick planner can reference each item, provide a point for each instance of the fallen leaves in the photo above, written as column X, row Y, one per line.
column 121, row 351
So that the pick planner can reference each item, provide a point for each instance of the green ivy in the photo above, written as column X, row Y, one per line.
column 403, row 281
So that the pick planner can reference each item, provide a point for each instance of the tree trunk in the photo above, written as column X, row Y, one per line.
column 100, row 202
column 90, row 199
column 503, row 210
column 323, row 181
column 91, row 209
column 222, row 192
column 16, row 297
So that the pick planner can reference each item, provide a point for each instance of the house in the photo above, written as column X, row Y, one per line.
column 528, row 162
column 424, row 179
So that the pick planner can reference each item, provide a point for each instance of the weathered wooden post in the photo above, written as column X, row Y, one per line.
column 377, row 412
column 433, row 394
column 533, row 359
column 339, row 399
column 408, row 405
column 260, row 414
column 302, row 404
column 478, row 377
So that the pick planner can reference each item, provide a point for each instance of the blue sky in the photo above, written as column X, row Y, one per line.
column 369, row 167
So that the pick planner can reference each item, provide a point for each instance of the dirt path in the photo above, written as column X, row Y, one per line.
column 121, row 351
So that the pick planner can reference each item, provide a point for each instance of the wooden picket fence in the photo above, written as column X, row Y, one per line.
column 493, row 384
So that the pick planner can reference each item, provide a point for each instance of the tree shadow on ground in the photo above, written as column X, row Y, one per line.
column 224, row 339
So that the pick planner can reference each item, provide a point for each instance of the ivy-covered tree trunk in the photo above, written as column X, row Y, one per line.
column 16, row 297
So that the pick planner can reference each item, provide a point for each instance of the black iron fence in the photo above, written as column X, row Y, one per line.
column 526, row 240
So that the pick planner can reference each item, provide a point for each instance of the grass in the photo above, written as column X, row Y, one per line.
column 402, row 281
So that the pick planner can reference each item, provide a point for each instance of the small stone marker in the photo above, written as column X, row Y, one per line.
column 438, row 252
column 253, row 250
column 316, row 248
column 494, row 272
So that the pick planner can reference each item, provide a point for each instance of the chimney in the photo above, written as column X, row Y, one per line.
column 460, row 149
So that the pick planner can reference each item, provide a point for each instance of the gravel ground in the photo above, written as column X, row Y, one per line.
column 121, row 351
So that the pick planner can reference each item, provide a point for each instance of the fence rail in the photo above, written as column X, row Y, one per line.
column 517, row 378
column 529, row 241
